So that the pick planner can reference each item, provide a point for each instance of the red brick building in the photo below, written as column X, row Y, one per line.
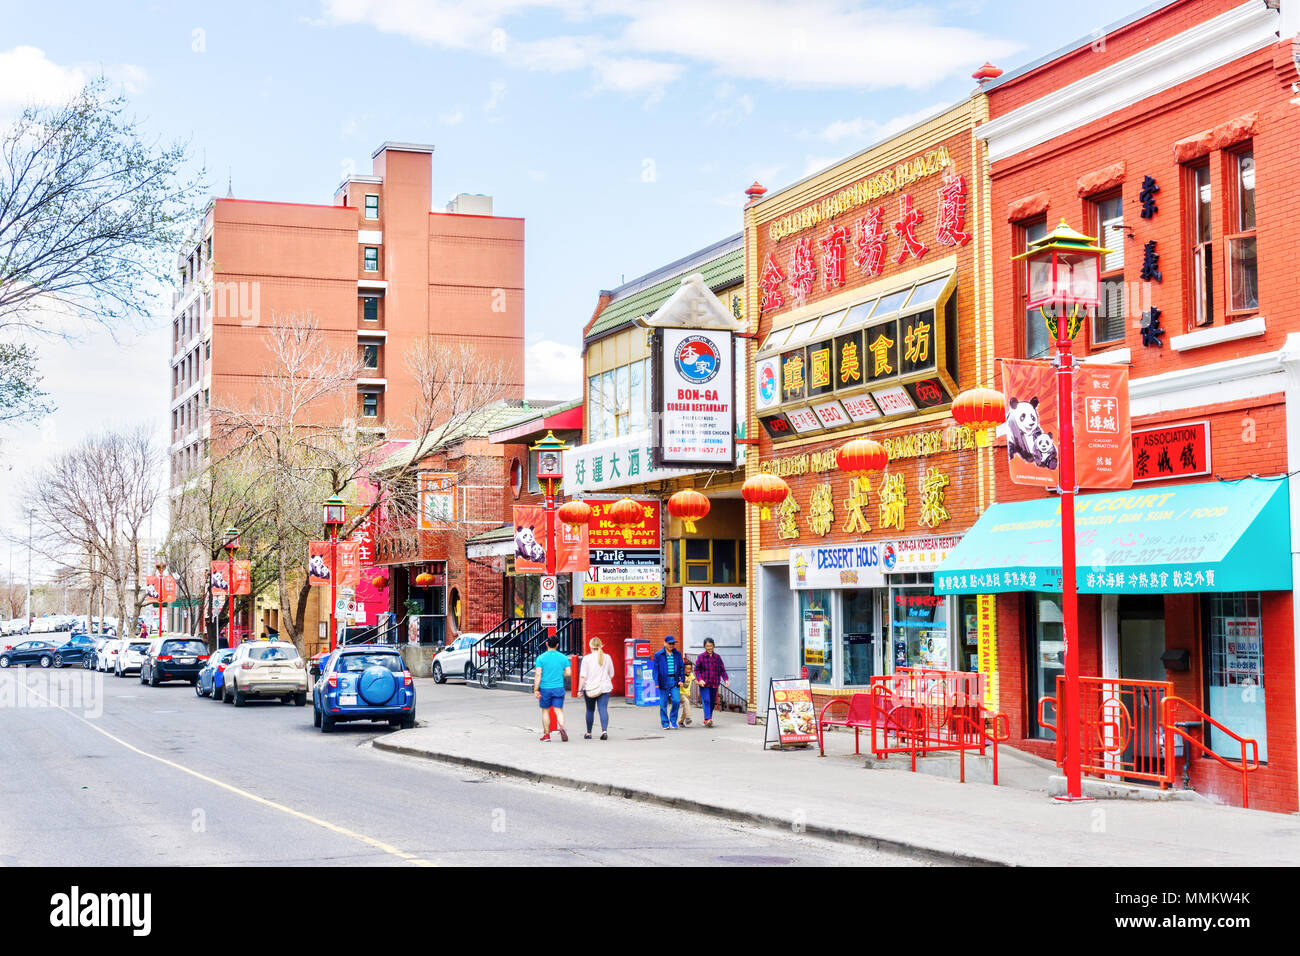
column 1171, row 136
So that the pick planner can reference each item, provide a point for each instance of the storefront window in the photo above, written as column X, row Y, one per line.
column 1234, row 656
column 815, row 634
column 859, row 636
column 919, row 625
column 1046, row 655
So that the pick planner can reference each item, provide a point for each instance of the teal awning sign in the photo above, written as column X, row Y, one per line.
column 1207, row 536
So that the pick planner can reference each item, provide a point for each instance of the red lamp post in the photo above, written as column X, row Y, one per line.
column 549, row 469
column 231, row 545
column 1062, row 275
column 160, row 562
column 333, row 520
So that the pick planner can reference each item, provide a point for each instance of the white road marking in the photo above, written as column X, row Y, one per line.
column 388, row 848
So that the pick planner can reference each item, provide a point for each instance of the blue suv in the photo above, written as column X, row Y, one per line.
column 364, row 682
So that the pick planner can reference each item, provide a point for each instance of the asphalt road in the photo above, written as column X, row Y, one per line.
column 104, row 771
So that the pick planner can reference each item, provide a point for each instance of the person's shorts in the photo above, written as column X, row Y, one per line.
column 551, row 697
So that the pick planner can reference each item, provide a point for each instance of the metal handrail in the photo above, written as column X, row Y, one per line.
column 1172, row 729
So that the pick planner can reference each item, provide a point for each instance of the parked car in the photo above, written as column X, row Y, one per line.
column 173, row 657
column 29, row 652
column 73, row 650
column 265, row 669
column 364, row 682
column 454, row 660
column 106, row 656
column 211, row 678
column 130, row 655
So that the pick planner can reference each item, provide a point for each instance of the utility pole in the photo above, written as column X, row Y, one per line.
column 30, row 514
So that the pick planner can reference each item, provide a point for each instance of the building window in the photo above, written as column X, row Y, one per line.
column 1037, row 343
column 1243, row 266
column 1045, row 640
column 815, row 646
column 1108, row 322
column 372, row 259
column 705, row 561
column 209, row 244
column 1202, row 234
column 372, row 206
column 370, row 355
column 1234, row 670
column 207, row 349
column 618, row 401
column 370, row 405
column 370, row 308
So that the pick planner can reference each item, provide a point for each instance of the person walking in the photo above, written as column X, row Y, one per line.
column 548, row 686
column 596, row 683
column 688, row 682
column 669, row 668
column 710, row 671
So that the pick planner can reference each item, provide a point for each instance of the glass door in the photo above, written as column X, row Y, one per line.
column 815, row 644
column 859, row 616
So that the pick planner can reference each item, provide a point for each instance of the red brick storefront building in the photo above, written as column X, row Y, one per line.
column 1172, row 138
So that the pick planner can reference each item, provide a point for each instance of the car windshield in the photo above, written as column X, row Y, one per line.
column 139, row 647
column 275, row 652
column 184, row 647
column 356, row 663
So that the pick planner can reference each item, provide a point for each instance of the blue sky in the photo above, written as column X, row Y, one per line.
column 624, row 133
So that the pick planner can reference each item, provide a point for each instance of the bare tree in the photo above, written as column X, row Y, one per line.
column 91, row 508
column 301, row 432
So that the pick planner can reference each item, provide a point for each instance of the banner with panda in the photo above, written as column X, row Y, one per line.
column 530, row 543
column 318, row 564
column 1033, row 422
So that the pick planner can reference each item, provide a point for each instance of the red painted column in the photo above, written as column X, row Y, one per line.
column 334, row 575
column 550, row 539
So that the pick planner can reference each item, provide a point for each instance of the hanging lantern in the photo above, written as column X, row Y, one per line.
column 861, row 457
column 575, row 512
column 764, row 490
column 980, row 410
column 690, row 506
column 424, row 579
column 379, row 581
column 625, row 513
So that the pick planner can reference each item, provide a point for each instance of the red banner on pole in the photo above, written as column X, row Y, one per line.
column 1102, row 431
column 530, row 543
column 153, row 589
column 241, row 578
column 318, row 564
column 349, row 563
column 220, row 579
column 1033, row 423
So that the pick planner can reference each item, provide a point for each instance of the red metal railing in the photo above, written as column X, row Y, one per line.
column 1169, row 715
column 1128, row 729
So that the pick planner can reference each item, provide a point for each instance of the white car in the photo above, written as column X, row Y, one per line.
column 454, row 659
column 106, row 656
column 130, row 655
column 265, row 669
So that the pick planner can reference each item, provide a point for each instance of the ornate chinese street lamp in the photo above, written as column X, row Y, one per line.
column 333, row 520
column 231, row 545
column 160, row 562
column 549, row 451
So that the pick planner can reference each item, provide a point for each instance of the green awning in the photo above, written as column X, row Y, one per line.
column 1207, row 536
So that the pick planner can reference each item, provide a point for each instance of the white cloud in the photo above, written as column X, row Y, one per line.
column 635, row 75
column 552, row 370
column 28, row 76
column 451, row 119
column 726, row 108
column 496, row 93
column 863, row 131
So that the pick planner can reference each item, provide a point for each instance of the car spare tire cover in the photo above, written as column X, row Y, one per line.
column 377, row 685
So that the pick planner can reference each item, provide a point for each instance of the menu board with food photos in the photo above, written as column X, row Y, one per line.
column 791, row 717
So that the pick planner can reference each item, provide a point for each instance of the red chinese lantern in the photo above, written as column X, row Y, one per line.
column 860, row 457
column 764, row 490
column 690, row 506
column 424, row 579
column 379, row 581
column 575, row 512
column 625, row 513
column 980, row 410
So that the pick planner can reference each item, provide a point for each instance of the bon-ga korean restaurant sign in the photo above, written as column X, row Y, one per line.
column 696, row 377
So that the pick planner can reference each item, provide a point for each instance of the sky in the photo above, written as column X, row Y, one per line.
column 623, row 133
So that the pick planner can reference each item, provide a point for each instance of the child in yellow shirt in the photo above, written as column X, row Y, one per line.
column 686, row 684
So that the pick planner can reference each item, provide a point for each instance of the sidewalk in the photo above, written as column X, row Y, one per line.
column 725, row 771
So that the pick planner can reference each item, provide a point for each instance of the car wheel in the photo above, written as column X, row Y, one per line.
column 315, row 716
column 408, row 722
column 300, row 700
column 153, row 678
column 45, row 660
column 198, row 691
column 326, row 724
column 4, row 662
column 58, row 660
column 240, row 699
column 469, row 677
column 217, row 695
column 438, row 675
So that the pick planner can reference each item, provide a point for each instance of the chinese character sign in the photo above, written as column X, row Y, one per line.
column 241, row 577
column 437, row 500
column 349, row 563
column 1032, row 426
column 1172, row 451
column 1103, row 442
column 530, row 543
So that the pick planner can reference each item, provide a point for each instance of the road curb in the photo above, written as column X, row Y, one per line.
column 886, row 844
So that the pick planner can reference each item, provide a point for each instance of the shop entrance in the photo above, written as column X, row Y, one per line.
column 1141, row 645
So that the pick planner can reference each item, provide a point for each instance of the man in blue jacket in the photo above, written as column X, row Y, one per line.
column 669, row 668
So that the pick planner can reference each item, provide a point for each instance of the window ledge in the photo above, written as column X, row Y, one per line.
column 1120, row 356
column 1215, row 334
